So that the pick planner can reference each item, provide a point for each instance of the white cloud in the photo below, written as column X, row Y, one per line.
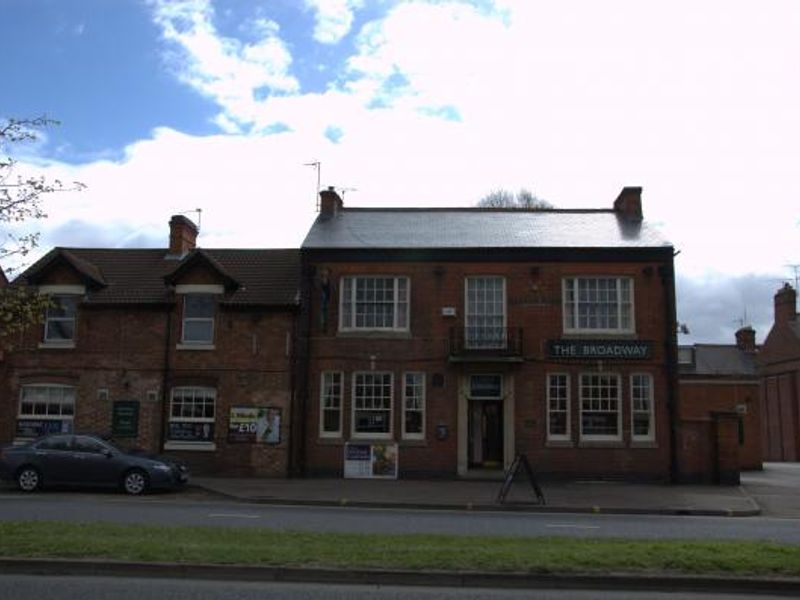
column 224, row 69
column 334, row 18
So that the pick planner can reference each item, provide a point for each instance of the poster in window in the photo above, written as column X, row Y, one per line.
column 34, row 428
column 186, row 431
column 255, row 425
column 370, row 461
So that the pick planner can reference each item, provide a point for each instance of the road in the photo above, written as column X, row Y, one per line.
column 23, row 587
column 194, row 508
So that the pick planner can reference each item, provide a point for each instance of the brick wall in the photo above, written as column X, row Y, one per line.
column 534, row 304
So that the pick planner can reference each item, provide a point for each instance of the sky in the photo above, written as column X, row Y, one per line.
column 167, row 106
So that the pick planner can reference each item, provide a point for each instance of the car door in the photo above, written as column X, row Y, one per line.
column 53, row 457
column 94, row 462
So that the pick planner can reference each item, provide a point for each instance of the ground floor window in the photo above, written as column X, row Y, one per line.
column 558, row 406
column 372, row 405
column 642, row 407
column 192, row 415
column 331, row 394
column 600, row 399
column 45, row 409
column 414, row 406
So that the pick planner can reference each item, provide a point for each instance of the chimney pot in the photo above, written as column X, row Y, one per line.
column 629, row 203
column 182, row 235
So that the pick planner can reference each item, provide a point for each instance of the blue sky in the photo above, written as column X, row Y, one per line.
column 167, row 106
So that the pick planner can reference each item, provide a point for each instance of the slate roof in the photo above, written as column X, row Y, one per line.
column 137, row 276
column 438, row 228
column 720, row 360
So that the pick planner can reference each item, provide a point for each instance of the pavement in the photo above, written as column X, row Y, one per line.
column 610, row 497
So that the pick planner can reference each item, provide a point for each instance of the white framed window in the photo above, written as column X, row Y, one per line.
column 192, row 416
column 642, row 419
column 44, row 409
column 598, row 305
column 374, row 303
column 414, row 406
column 372, row 405
column 59, row 326
column 485, row 322
column 198, row 319
column 600, row 399
column 330, row 404
column 558, row 406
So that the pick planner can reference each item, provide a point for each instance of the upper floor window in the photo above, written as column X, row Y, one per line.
column 598, row 305
column 198, row 319
column 60, row 319
column 374, row 303
column 485, row 312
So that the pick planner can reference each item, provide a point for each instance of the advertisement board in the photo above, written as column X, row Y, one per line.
column 34, row 428
column 374, row 460
column 187, row 431
column 255, row 425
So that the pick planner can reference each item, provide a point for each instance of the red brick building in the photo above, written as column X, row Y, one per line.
column 184, row 350
column 442, row 342
column 779, row 361
column 720, row 408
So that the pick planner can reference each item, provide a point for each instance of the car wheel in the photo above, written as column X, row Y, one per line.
column 135, row 482
column 28, row 479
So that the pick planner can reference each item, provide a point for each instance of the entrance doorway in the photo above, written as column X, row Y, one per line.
column 485, row 422
column 485, row 434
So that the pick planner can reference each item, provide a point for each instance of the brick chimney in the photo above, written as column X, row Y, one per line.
column 182, row 235
column 785, row 305
column 629, row 203
column 746, row 339
column 329, row 203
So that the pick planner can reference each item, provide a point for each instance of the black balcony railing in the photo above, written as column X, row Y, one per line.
column 486, row 342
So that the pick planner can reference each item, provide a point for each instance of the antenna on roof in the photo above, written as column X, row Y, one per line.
column 344, row 190
column 796, row 270
column 318, row 166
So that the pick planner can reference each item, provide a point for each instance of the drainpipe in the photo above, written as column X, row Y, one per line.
column 667, row 273
column 170, row 304
column 297, row 445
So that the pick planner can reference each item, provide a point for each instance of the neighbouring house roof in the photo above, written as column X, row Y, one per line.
column 453, row 228
column 140, row 276
column 719, row 360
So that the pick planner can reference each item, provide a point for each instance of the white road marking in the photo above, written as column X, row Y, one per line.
column 232, row 516
column 568, row 526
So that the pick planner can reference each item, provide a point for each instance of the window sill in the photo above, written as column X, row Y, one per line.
column 414, row 443
column 601, row 444
column 644, row 444
column 195, row 347
column 68, row 345
column 192, row 446
column 559, row 444
column 370, row 439
column 377, row 334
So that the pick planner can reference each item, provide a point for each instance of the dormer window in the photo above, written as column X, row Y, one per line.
column 198, row 319
column 59, row 327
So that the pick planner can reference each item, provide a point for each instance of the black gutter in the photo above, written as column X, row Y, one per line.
column 165, row 378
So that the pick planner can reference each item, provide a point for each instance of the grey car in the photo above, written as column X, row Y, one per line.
column 87, row 460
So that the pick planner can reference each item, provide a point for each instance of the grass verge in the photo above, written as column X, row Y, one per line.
column 415, row 552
